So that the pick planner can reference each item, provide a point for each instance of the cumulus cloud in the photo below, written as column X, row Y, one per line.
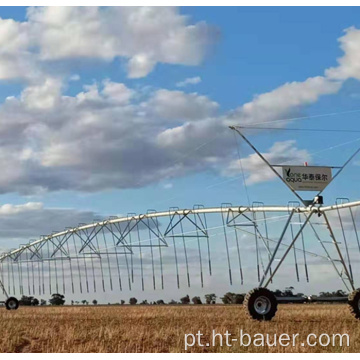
column 189, row 81
column 144, row 36
column 349, row 64
column 103, row 137
column 109, row 135
column 257, row 171
column 283, row 101
column 179, row 105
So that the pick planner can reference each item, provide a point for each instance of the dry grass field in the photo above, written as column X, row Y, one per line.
column 162, row 328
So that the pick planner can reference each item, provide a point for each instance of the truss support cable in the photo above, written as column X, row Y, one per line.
column 108, row 259
column 185, row 252
column 239, row 256
column 2, row 275
column 92, row 266
column 348, row 274
column 204, row 224
column 295, row 257
column 101, row 264
column 86, row 274
column 131, row 259
column 199, row 250
column 141, row 259
column 242, row 170
column 49, row 266
column 292, row 243
column 268, row 242
column 78, row 264
column 256, row 248
column 13, row 277
column 42, row 271
column 346, row 245
column 329, row 257
column 126, row 257
column 70, row 266
column 18, row 277
column 152, row 256
column 175, row 251
column 122, row 236
column 63, row 274
column 117, row 259
column 304, row 250
column 227, row 248
column 161, row 265
column 39, row 276
column 355, row 227
column 8, row 275
column 275, row 250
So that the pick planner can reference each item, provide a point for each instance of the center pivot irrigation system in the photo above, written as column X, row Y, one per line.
column 177, row 246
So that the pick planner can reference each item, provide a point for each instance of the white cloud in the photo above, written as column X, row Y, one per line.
column 349, row 64
column 144, row 36
column 179, row 105
column 255, row 168
column 111, row 136
column 189, row 81
column 140, row 65
column 283, row 101
column 100, row 138
column 42, row 96
column 117, row 92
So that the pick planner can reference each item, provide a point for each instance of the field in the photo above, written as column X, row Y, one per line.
column 162, row 328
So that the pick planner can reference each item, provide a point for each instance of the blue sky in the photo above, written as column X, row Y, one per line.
column 257, row 50
column 147, row 128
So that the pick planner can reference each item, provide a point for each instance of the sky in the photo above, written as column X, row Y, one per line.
column 106, row 111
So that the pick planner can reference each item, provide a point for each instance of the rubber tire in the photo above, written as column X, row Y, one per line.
column 249, row 304
column 353, row 303
column 12, row 299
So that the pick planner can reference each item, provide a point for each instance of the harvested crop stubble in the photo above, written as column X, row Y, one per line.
column 162, row 328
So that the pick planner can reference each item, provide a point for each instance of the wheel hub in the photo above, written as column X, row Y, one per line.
column 12, row 304
column 262, row 305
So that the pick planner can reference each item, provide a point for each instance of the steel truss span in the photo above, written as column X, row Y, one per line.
column 183, row 247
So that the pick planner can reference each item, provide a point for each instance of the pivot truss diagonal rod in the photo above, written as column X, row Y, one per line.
column 287, row 250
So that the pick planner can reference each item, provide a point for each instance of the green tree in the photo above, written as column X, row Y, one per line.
column 57, row 299
column 232, row 298
column 185, row 299
column 196, row 300
column 94, row 302
column 133, row 301
column 210, row 298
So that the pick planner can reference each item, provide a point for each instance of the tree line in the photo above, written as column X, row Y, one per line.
column 228, row 298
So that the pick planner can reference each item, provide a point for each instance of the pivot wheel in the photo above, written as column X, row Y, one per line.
column 12, row 303
column 260, row 304
column 354, row 303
